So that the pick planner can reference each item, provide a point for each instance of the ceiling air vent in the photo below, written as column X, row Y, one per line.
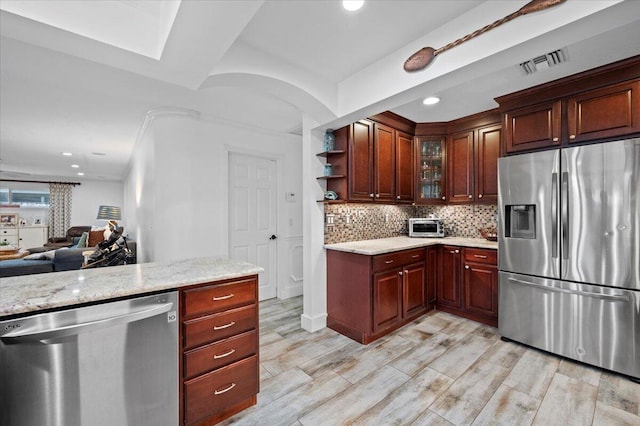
column 543, row 62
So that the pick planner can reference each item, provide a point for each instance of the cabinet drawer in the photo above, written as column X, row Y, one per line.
column 219, row 354
column 215, row 327
column 214, row 392
column 9, row 232
column 217, row 298
column 395, row 260
column 481, row 256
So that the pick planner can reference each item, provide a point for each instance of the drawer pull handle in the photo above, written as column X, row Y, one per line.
column 415, row 256
column 228, row 296
column 222, row 327
column 388, row 261
column 227, row 389
column 224, row 355
column 480, row 256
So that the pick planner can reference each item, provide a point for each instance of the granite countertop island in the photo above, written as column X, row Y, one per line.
column 389, row 245
column 33, row 293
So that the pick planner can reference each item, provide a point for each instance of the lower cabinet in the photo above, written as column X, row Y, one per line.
column 219, row 350
column 468, row 283
column 369, row 296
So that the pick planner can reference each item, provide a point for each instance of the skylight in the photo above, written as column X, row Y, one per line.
column 139, row 26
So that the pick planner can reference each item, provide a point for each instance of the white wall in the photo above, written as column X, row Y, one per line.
column 176, row 191
column 88, row 196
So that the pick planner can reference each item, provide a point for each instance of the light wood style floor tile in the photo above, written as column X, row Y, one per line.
column 508, row 407
column 438, row 370
column 408, row 402
column 466, row 397
column 533, row 373
column 457, row 359
column 567, row 402
column 355, row 400
column 618, row 392
column 610, row 416
column 580, row 372
column 429, row 418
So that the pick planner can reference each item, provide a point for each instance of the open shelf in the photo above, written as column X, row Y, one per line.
column 330, row 177
column 328, row 153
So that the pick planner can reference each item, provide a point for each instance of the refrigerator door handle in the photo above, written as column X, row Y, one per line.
column 554, row 215
column 565, row 215
column 543, row 287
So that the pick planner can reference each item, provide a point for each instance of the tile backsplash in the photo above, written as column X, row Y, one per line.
column 353, row 222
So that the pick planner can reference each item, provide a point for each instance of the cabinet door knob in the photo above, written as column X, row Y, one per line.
column 457, row 251
column 371, row 195
column 572, row 136
column 398, row 197
column 466, row 266
column 555, row 139
column 444, row 198
column 400, row 273
column 470, row 196
column 479, row 195
column 377, row 195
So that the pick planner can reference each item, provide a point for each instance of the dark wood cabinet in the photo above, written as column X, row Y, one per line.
column 591, row 106
column 604, row 113
column 387, row 299
column 219, row 350
column 384, row 163
column 431, row 275
column 468, row 283
column 369, row 296
column 533, row 127
column 404, row 168
column 460, row 174
column 486, row 166
column 360, row 178
column 448, row 292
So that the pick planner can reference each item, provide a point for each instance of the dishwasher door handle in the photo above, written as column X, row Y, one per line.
column 19, row 336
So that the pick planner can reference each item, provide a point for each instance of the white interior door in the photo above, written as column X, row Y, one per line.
column 252, row 217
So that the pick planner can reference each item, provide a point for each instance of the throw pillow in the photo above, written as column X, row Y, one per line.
column 82, row 242
column 45, row 255
column 95, row 237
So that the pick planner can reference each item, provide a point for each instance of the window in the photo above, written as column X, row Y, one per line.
column 24, row 197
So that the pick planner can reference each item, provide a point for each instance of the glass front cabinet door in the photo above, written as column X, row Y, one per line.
column 431, row 172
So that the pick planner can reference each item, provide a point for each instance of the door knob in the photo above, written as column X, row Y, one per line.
column 273, row 237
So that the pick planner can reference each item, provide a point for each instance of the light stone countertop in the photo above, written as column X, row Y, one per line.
column 32, row 293
column 389, row 245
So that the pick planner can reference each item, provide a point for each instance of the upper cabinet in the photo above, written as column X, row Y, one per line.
column 431, row 169
column 488, row 145
column 360, row 177
column 588, row 107
column 384, row 163
column 610, row 111
column 460, row 167
column 404, row 167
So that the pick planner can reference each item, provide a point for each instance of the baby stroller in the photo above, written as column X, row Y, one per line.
column 112, row 251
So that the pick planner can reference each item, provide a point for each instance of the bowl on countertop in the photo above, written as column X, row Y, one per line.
column 490, row 233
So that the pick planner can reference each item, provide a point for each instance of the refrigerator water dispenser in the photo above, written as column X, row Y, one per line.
column 520, row 221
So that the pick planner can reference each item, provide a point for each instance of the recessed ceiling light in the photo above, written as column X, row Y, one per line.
column 67, row 154
column 80, row 174
column 352, row 5
column 431, row 100
column 75, row 166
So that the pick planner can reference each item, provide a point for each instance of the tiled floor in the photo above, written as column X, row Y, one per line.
column 438, row 370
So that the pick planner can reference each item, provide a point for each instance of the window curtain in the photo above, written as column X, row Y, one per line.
column 60, row 195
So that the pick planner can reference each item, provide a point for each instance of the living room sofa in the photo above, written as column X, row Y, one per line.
column 65, row 259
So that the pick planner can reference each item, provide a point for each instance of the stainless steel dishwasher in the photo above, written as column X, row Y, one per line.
column 109, row 364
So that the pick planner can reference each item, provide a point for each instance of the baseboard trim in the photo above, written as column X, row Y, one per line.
column 313, row 324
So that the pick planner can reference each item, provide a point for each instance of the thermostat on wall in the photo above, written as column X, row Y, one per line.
column 290, row 196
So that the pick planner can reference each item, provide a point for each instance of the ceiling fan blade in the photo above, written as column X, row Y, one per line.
column 423, row 57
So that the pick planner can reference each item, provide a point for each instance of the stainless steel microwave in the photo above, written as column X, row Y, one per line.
column 423, row 227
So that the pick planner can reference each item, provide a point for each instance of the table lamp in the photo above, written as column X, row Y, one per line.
column 111, row 214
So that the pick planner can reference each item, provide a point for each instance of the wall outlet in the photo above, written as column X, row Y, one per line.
column 386, row 218
column 329, row 219
column 347, row 218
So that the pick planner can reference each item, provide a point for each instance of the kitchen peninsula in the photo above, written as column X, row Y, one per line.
column 208, row 307
column 377, row 286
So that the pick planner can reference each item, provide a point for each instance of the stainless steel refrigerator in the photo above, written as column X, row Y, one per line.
column 569, row 252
